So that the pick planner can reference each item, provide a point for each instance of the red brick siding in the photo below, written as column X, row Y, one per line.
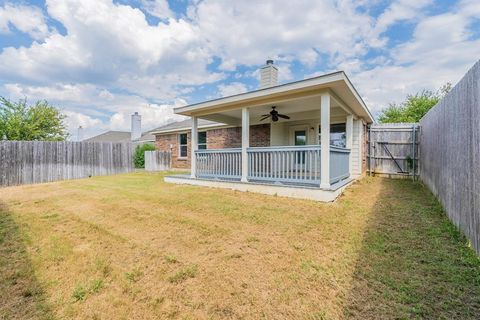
column 224, row 138
column 216, row 139
column 170, row 142
column 260, row 135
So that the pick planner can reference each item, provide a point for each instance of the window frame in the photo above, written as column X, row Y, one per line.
column 344, row 138
column 202, row 145
column 180, row 145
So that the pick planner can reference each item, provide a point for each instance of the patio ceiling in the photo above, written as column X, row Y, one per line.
column 298, row 109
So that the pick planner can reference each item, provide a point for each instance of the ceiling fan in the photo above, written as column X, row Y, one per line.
column 274, row 115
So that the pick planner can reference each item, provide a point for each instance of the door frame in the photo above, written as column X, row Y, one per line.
column 291, row 133
column 304, row 127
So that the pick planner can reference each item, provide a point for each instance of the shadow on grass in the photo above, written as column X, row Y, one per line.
column 21, row 296
column 413, row 262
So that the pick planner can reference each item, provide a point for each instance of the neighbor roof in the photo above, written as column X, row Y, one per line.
column 185, row 125
column 146, row 137
column 111, row 136
column 338, row 81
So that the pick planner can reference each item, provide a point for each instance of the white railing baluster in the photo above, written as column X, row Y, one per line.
column 273, row 164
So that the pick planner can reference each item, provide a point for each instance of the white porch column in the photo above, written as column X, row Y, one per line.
column 325, row 141
column 349, row 138
column 194, row 146
column 245, row 142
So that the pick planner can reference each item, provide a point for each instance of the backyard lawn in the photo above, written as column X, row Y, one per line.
column 132, row 247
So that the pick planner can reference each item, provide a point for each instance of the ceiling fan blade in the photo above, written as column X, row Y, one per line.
column 283, row 116
column 265, row 117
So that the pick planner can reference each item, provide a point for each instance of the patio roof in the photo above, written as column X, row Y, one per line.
column 336, row 83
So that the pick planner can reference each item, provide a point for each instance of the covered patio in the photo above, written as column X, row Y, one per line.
column 315, row 139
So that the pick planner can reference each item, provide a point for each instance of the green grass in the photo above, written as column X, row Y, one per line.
column 183, row 274
column 132, row 247
column 81, row 292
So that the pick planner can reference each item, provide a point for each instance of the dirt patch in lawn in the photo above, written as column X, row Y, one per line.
column 133, row 247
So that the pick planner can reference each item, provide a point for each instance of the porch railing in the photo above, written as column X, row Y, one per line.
column 339, row 164
column 283, row 164
column 219, row 163
column 294, row 164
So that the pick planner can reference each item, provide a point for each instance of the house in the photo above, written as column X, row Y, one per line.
column 135, row 135
column 302, row 139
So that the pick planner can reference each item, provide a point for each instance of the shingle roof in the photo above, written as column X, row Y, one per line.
column 111, row 136
column 185, row 124
column 146, row 136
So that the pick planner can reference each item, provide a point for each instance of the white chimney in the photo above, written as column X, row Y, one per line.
column 80, row 134
column 268, row 75
column 136, row 126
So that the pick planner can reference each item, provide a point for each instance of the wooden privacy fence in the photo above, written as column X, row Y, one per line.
column 450, row 154
column 25, row 162
column 393, row 149
column 158, row 160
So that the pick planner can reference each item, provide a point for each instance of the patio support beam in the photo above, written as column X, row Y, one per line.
column 245, row 142
column 325, row 141
column 194, row 146
column 349, row 139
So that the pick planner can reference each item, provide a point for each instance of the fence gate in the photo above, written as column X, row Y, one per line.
column 393, row 149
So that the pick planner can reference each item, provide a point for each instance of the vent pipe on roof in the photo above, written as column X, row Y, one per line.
column 268, row 75
column 136, row 126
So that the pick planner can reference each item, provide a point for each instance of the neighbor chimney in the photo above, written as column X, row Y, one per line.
column 268, row 75
column 80, row 133
column 136, row 126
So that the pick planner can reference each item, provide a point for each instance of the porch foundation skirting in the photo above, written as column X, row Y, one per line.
column 291, row 191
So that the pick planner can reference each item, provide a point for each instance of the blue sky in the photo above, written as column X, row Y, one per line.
column 101, row 60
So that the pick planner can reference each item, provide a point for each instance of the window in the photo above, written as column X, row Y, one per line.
column 202, row 140
column 183, row 145
column 338, row 136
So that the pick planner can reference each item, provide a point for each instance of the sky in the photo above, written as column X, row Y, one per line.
column 101, row 60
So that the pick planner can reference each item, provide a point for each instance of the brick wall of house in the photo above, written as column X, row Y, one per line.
column 169, row 142
column 216, row 139
column 260, row 135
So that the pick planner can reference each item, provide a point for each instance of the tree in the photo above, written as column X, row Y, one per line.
column 139, row 156
column 41, row 121
column 414, row 107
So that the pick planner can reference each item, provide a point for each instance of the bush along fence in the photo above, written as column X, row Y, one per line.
column 157, row 160
column 26, row 162
column 450, row 154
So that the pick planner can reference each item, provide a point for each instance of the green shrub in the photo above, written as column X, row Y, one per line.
column 139, row 156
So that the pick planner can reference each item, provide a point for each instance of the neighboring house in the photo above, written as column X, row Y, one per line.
column 111, row 136
column 309, row 134
column 135, row 136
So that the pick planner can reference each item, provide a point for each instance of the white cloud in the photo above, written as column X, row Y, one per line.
column 111, row 62
column 225, row 90
column 158, row 8
column 400, row 11
column 112, row 44
column 27, row 19
column 95, row 109
column 440, row 51
column 247, row 32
